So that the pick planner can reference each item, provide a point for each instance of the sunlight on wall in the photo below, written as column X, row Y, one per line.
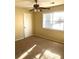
column 27, row 52
column 48, row 55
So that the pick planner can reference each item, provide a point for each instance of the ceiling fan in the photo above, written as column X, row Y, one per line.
column 36, row 7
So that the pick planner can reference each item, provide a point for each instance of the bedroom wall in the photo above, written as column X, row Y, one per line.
column 46, row 33
column 19, row 24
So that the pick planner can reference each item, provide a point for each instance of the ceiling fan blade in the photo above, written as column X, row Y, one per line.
column 44, row 8
column 35, row 10
column 31, row 10
column 36, row 1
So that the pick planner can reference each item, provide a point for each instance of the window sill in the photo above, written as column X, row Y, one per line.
column 49, row 29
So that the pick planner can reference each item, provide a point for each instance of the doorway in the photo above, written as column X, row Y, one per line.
column 27, row 25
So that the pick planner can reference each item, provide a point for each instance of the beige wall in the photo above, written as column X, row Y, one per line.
column 37, row 25
column 45, row 33
column 19, row 24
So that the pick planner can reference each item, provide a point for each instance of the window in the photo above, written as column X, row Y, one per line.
column 54, row 20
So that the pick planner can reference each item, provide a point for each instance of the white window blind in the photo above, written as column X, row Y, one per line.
column 53, row 20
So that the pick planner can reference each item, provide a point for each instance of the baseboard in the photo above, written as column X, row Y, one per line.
column 19, row 39
column 42, row 36
column 23, row 37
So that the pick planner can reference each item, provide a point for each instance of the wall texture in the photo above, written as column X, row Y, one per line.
column 19, row 23
column 46, row 33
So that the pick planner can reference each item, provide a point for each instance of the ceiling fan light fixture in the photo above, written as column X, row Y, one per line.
column 36, row 10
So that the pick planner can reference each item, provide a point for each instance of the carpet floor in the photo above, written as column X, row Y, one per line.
column 38, row 48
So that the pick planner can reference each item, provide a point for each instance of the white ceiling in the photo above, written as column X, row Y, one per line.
column 42, row 3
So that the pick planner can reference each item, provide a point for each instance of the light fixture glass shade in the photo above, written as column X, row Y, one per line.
column 36, row 10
